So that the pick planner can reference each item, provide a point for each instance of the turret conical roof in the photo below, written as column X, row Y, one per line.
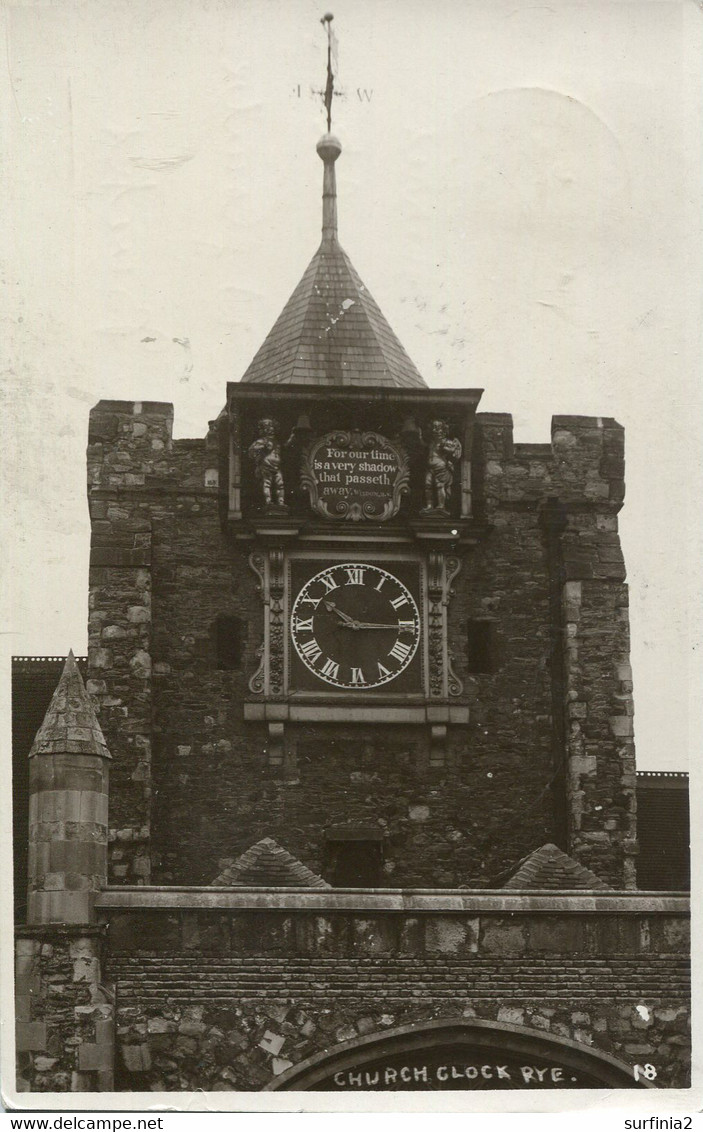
column 70, row 725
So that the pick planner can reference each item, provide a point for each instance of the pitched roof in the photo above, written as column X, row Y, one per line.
column 550, row 868
column 331, row 330
column 267, row 865
column 70, row 725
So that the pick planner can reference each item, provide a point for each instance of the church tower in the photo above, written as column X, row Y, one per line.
column 359, row 666
column 358, row 619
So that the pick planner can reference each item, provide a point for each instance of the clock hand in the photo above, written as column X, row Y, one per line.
column 369, row 625
column 344, row 616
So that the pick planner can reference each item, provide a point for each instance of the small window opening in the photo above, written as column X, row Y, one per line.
column 480, row 635
column 354, row 862
column 229, row 635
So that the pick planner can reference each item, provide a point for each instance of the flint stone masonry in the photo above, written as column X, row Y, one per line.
column 64, row 1020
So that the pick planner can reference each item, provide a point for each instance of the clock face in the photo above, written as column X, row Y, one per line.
column 355, row 626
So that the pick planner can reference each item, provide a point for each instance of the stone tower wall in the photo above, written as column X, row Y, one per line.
column 580, row 479
column 547, row 754
column 126, row 443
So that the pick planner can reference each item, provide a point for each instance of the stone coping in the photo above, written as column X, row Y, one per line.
column 436, row 901
column 59, row 931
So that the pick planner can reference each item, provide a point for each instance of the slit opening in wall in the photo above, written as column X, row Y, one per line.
column 228, row 636
column 481, row 646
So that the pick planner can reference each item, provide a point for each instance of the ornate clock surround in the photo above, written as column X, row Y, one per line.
column 434, row 699
column 292, row 540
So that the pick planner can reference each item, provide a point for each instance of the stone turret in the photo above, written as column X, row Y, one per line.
column 68, row 802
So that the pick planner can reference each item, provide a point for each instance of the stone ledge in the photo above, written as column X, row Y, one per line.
column 296, row 712
column 156, row 486
column 389, row 900
column 59, row 931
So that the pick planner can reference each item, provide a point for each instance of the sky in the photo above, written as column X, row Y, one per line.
column 519, row 188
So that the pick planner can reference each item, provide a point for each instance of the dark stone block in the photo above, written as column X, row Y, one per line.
column 129, row 932
column 119, row 556
column 562, row 935
column 102, row 428
column 671, row 935
column 619, row 934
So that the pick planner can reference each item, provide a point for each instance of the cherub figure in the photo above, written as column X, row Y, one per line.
column 266, row 452
column 439, row 475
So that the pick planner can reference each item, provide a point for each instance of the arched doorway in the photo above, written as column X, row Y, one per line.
column 461, row 1054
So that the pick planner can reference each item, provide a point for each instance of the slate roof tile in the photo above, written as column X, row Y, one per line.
column 550, row 868
column 267, row 865
column 70, row 725
column 332, row 332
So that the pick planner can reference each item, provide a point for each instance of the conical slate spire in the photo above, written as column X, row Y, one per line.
column 267, row 865
column 550, row 868
column 70, row 725
column 331, row 331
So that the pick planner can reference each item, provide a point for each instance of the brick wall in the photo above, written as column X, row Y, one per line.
column 663, row 814
column 229, row 998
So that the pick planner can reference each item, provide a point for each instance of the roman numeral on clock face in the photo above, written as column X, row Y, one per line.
column 355, row 575
column 357, row 676
column 383, row 671
column 313, row 600
column 398, row 601
column 328, row 583
column 399, row 651
column 311, row 650
column 303, row 626
column 405, row 626
column 329, row 668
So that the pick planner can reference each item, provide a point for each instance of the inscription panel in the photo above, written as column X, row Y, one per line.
column 355, row 475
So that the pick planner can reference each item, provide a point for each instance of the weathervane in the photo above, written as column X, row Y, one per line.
column 326, row 22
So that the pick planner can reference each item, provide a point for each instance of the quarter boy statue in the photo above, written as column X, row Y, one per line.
column 439, row 474
column 266, row 453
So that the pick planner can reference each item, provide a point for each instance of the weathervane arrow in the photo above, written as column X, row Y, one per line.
column 326, row 22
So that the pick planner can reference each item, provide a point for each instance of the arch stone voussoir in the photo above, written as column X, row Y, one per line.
column 459, row 1054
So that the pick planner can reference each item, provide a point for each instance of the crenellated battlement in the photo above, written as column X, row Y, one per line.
column 129, row 441
column 131, row 451
column 583, row 466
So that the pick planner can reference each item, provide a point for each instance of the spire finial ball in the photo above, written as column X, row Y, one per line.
column 329, row 147
column 327, row 18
